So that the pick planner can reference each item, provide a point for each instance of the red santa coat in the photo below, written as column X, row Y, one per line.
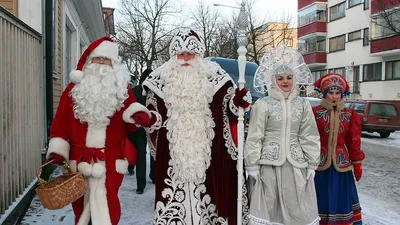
column 217, row 196
column 104, row 147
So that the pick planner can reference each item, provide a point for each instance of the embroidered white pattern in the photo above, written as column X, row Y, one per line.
column 296, row 153
column 152, row 101
column 232, row 150
column 175, row 211
column 274, row 109
column 297, row 109
column 271, row 152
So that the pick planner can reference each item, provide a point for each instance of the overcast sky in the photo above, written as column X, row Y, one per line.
column 265, row 8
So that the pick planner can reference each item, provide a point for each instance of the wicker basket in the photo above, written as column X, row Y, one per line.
column 62, row 190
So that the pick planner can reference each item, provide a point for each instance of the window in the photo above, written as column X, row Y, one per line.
column 366, row 37
column 347, row 104
column 318, row 74
column 289, row 42
column 392, row 70
column 380, row 109
column 359, row 107
column 316, row 12
column 356, row 79
column 354, row 35
column 366, row 4
column 372, row 72
column 312, row 44
column 341, row 71
column 354, row 3
column 337, row 43
column 337, row 11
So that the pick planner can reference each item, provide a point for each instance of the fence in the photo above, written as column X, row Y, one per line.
column 21, row 108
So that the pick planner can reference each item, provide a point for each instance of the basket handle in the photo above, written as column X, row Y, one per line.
column 42, row 181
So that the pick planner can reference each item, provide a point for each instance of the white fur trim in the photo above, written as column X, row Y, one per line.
column 157, row 125
column 106, row 49
column 95, row 137
column 132, row 109
column 60, row 146
column 98, row 169
column 72, row 165
column 121, row 166
column 85, row 168
column 76, row 76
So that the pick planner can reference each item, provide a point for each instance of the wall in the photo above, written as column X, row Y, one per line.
column 381, row 90
column 30, row 11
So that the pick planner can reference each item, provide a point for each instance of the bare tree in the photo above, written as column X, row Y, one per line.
column 265, row 35
column 387, row 19
column 225, row 43
column 206, row 22
column 144, row 31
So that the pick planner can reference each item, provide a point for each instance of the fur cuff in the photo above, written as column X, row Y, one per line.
column 85, row 168
column 60, row 146
column 121, row 166
column 132, row 109
column 157, row 125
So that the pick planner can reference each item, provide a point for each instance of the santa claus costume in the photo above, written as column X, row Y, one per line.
column 340, row 131
column 191, row 140
column 89, row 131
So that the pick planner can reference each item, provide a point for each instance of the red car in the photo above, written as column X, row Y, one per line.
column 376, row 116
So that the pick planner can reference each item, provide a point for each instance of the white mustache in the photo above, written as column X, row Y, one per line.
column 183, row 62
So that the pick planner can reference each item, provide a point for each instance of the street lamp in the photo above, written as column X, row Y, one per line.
column 228, row 6
column 242, row 43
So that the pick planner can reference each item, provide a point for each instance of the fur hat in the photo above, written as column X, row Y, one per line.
column 102, row 47
column 186, row 41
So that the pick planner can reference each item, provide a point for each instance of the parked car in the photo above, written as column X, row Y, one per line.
column 376, row 116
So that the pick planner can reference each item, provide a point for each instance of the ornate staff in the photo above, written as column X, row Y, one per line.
column 242, row 42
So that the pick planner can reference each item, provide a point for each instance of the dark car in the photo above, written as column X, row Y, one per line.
column 376, row 116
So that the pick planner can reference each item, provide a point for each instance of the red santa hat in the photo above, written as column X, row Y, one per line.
column 102, row 47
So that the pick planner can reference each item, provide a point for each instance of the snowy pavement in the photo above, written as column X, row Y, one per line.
column 379, row 191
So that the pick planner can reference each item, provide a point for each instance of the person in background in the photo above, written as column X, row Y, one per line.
column 340, row 131
column 139, row 140
column 282, row 148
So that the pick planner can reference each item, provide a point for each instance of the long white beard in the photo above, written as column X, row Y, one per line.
column 188, row 94
column 100, row 94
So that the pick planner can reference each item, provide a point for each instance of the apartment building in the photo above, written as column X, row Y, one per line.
column 350, row 37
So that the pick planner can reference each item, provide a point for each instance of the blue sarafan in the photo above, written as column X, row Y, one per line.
column 231, row 67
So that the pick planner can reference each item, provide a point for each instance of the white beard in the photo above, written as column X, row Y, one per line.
column 100, row 94
column 188, row 94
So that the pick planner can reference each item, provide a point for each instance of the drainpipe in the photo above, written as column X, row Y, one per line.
column 48, row 61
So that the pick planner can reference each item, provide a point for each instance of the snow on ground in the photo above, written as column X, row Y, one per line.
column 378, row 192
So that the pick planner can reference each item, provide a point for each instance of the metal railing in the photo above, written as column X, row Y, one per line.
column 21, row 108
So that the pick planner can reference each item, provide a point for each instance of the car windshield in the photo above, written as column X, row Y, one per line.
column 359, row 107
column 381, row 109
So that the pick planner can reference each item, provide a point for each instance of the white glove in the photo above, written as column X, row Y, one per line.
column 310, row 174
column 254, row 174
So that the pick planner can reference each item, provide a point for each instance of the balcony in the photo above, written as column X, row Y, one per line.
column 381, row 5
column 315, row 27
column 303, row 3
column 315, row 59
column 386, row 46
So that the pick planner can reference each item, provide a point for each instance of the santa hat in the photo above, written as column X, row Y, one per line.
column 102, row 47
column 332, row 81
column 186, row 41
